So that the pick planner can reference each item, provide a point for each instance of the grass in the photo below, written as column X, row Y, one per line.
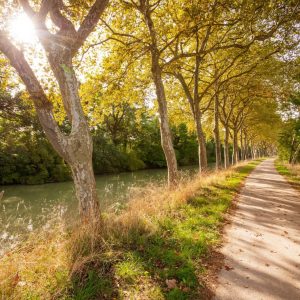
column 154, row 249
column 290, row 172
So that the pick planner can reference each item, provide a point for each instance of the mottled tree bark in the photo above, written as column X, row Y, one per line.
column 166, row 135
column 201, row 141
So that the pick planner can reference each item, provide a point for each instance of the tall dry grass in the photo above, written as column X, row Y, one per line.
column 47, row 263
column 295, row 169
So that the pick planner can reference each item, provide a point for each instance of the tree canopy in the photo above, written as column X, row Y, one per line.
column 123, row 85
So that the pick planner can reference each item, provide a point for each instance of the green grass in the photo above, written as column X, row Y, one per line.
column 159, row 258
column 290, row 172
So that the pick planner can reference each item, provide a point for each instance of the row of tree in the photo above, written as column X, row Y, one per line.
column 215, row 64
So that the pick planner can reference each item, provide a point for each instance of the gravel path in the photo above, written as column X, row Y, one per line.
column 262, row 244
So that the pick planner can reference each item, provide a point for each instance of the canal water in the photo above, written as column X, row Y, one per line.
column 25, row 208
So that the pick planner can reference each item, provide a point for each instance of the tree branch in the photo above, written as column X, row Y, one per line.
column 41, row 102
column 89, row 23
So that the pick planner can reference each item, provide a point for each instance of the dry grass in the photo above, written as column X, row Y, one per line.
column 50, row 263
column 36, row 265
column 295, row 170
column 290, row 172
column 159, row 200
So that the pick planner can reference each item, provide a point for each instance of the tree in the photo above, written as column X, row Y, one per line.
column 147, row 9
column 225, row 26
column 61, row 47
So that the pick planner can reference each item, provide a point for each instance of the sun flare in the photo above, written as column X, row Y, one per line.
column 22, row 30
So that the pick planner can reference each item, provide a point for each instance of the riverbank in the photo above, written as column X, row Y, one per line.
column 156, row 248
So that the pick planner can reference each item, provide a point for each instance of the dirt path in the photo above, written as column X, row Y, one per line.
column 262, row 245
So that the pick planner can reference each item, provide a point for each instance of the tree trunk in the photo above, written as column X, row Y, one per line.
column 292, row 148
column 76, row 150
column 226, row 148
column 235, row 155
column 246, row 146
column 217, row 134
column 242, row 146
column 201, row 141
column 252, row 152
column 165, row 131
column 85, row 188
column 294, row 159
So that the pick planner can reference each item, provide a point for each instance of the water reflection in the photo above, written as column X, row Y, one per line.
column 26, row 208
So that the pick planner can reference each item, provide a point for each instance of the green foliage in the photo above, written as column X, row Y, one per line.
column 32, row 163
column 26, row 156
column 143, row 149
column 185, row 145
column 289, row 138
column 122, row 142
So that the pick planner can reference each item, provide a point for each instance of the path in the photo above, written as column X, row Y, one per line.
column 262, row 245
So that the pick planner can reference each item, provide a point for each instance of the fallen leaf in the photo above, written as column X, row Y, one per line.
column 267, row 265
column 228, row 268
column 171, row 283
column 16, row 279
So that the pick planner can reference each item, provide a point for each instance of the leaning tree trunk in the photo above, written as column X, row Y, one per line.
column 76, row 148
column 165, row 131
column 217, row 134
column 226, row 148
